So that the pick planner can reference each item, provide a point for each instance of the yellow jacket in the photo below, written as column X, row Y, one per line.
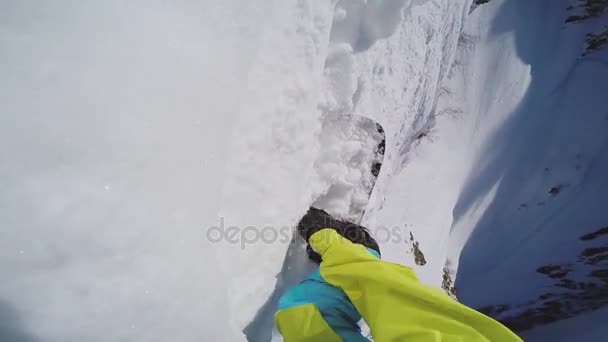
column 391, row 300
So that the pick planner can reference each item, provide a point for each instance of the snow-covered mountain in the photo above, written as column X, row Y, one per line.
column 155, row 157
column 529, row 220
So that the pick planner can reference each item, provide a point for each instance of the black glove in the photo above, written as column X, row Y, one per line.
column 317, row 219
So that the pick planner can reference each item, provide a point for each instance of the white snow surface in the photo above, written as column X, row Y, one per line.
column 156, row 155
column 113, row 131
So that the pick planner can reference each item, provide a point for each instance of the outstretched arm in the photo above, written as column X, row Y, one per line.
column 395, row 305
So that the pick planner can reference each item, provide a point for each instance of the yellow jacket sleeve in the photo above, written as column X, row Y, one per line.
column 395, row 305
column 304, row 323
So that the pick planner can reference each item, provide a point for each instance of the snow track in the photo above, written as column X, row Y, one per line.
column 401, row 80
column 377, row 90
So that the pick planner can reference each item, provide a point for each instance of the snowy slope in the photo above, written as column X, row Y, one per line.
column 118, row 120
column 586, row 327
column 505, row 175
column 537, row 186
column 113, row 132
column 394, row 80
column 493, row 169
column 400, row 81
column 131, row 132
column 156, row 156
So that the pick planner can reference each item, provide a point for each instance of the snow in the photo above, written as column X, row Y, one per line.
column 156, row 156
column 587, row 327
column 470, row 174
column 268, row 182
column 551, row 138
column 349, row 146
column 401, row 79
column 113, row 139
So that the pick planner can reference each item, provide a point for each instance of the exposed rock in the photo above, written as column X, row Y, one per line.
column 419, row 257
column 448, row 281
column 554, row 271
column 595, row 41
column 595, row 234
column 589, row 9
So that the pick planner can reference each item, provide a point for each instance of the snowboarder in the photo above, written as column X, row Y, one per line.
column 353, row 283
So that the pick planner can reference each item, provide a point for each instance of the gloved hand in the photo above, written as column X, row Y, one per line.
column 317, row 219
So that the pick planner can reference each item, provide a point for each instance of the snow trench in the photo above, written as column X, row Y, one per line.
column 351, row 147
column 349, row 162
